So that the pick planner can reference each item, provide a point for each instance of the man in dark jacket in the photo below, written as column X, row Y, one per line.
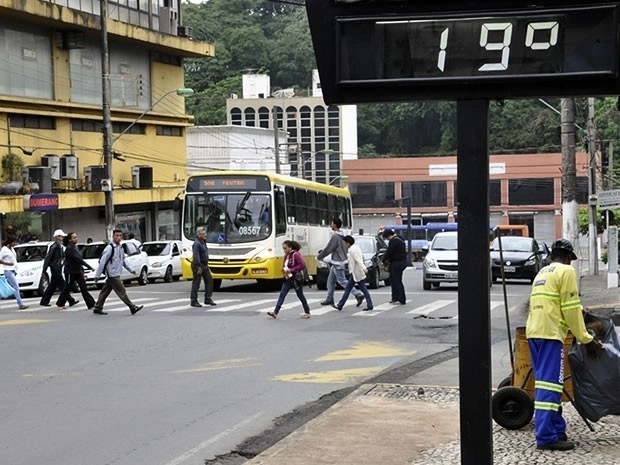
column 54, row 260
column 200, row 269
column 74, row 271
column 396, row 257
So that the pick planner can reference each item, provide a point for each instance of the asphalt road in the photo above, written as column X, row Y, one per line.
column 175, row 385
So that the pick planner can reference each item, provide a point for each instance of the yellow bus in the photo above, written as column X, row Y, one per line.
column 248, row 214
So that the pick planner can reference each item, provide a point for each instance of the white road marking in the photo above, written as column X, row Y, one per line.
column 424, row 310
column 187, row 306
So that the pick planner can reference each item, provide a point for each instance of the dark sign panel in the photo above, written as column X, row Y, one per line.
column 41, row 202
column 215, row 183
column 399, row 50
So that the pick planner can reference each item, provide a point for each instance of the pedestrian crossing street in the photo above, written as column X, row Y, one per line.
column 156, row 304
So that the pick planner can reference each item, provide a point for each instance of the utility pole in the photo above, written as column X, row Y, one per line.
column 107, row 119
column 592, row 200
column 276, row 137
column 570, row 207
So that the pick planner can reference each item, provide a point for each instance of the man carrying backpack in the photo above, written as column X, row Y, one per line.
column 112, row 263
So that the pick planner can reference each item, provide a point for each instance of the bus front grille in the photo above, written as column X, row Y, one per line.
column 225, row 270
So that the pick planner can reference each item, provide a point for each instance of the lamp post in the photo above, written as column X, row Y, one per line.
column 409, row 230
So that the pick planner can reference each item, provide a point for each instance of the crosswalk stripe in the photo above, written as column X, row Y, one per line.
column 238, row 306
column 187, row 305
column 424, row 310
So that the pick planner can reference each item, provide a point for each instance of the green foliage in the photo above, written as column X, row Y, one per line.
column 601, row 220
column 12, row 166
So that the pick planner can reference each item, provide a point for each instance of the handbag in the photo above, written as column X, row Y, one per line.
column 302, row 277
column 6, row 290
column 387, row 265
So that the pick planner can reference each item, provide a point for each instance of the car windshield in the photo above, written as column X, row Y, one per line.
column 367, row 244
column 445, row 243
column 229, row 218
column 155, row 249
column 513, row 244
column 93, row 250
column 30, row 253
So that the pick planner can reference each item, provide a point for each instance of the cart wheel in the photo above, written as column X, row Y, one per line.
column 512, row 407
column 507, row 381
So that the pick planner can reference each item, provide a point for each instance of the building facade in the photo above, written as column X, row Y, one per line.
column 319, row 136
column 523, row 189
column 51, row 114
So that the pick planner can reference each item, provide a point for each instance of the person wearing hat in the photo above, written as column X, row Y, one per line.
column 54, row 260
column 554, row 309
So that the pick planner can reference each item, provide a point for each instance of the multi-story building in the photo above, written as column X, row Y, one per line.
column 51, row 112
column 523, row 189
column 320, row 136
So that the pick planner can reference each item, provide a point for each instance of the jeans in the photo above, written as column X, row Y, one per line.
column 10, row 277
column 205, row 276
column 363, row 290
column 287, row 285
column 336, row 275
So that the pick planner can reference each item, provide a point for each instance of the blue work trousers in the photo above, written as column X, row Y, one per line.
column 548, row 363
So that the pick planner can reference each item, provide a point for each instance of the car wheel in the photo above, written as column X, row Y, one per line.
column 436, row 285
column 43, row 284
column 176, row 278
column 143, row 278
column 373, row 279
column 426, row 285
column 168, row 275
column 512, row 407
column 217, row 283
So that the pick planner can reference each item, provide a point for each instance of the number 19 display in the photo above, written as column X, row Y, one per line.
column 551, row 44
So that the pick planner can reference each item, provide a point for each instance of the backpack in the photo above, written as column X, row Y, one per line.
column 105, row 267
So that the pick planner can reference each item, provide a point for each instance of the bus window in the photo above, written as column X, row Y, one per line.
column 324, row 219
column 291, row 211
column 332, row 207
column 301, row 206
column 280, row 212
column 313, row 214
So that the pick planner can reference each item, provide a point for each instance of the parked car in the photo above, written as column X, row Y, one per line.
column 441, row 262
column 523, row 258
column 137, row 258
column 373, row 248
column 164, row 260
column 546, row 253
column 30, row 258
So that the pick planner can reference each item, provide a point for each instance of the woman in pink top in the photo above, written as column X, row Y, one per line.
column 293, row 262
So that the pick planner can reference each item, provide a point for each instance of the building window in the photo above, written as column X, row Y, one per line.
column 369, row 195
column 235, row 117
column 263, row 117
column 495, row 192
column 84, row 125
column 125, row 129
column 166, row 58
column 32, row 122
column 250, row 117
column 532, row 191
column 175, row 131
column 426, row 193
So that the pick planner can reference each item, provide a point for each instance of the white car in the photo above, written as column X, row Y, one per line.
column 441, row 262
column 164, row 260
column 30, row 258
column 138, row 260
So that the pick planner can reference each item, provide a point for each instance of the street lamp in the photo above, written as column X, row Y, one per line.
column 338, row 178
column 108, row 141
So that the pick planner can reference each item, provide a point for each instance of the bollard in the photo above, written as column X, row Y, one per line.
column 612, row 257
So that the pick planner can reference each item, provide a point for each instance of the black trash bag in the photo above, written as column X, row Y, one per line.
column 597, row 381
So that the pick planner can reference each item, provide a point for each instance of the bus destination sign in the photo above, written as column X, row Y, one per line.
column 214, row 183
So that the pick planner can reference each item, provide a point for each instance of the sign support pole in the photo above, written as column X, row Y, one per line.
column 474, row 279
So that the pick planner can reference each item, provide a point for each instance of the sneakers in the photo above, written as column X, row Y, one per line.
column 359, row 299
column 557, row 445
column 273, row 315
column 367, row 309
column 337, row 307
column 327, row 302
column 136, row 309
column 23, row 307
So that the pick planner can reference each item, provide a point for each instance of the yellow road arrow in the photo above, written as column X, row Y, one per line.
column 330, row 377
column 368, row 350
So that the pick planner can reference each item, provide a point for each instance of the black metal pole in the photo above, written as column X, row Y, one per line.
column 409, row 238
column 473, row 292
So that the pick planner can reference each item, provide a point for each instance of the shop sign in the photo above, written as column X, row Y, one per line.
column 41, row 202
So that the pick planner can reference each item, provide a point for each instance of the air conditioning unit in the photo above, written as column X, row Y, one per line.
column 41, row 175
column 94, row 175
column 185, row 31
column 142, row 176
column 69, row 167
column 53, row 162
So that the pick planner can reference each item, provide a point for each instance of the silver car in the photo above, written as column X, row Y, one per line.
column 441, row 262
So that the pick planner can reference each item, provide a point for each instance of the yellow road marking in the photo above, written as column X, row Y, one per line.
column 222, row 365
column 369, row 350
column 23, row 322
column 330, row 377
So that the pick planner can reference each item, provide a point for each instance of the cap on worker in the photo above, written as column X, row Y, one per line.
column 59, row 232
column 565, row 245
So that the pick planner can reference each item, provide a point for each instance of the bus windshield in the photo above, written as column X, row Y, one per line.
column 230, row 218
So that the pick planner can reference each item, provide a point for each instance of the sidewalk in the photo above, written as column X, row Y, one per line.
column 414, row 424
